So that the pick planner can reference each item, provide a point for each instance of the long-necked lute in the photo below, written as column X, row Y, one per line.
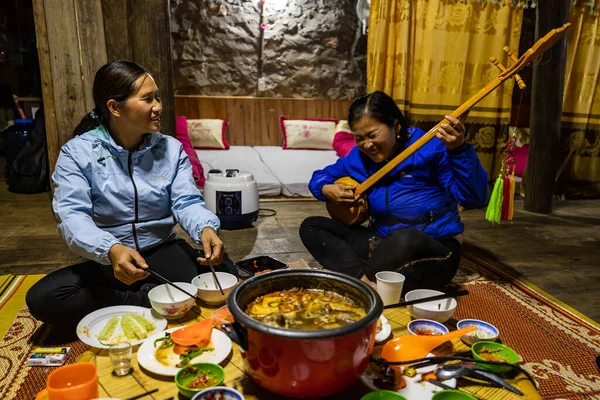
column 356, row 213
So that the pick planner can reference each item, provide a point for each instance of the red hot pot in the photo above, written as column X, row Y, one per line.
column 304, row 363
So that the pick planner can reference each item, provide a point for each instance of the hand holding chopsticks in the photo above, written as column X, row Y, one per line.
column 427, row 299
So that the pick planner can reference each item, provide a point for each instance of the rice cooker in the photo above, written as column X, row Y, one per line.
column 233, row 196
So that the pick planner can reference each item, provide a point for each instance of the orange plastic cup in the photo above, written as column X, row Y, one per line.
column 71, row 382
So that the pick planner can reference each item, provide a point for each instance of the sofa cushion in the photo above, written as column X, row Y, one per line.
column 208, row 133
column 181, row 133
column 343, row 142
column 307, row 134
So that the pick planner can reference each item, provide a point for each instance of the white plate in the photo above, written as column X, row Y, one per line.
column 92, row 324
column 415, row 389
column 385, row 332
column 220, row 341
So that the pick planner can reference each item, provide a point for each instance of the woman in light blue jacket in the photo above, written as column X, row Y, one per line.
column 120, row 188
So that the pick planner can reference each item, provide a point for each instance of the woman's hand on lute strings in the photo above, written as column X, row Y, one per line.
column 453, row 134
column 340, row 193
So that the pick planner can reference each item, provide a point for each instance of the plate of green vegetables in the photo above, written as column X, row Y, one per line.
column 119, row 324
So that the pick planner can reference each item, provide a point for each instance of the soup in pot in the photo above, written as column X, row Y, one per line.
column 305, row 309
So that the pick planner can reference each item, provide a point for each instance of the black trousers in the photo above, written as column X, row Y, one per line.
column 67, row 295
column 426, row 263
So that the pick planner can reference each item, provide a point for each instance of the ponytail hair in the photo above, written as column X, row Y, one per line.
column 114, row 81
column 87, row 123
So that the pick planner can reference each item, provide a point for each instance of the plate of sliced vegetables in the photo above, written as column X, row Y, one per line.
column 119, row 324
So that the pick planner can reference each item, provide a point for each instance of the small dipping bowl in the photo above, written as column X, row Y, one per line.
column 209, row 292
column 504, row 352
column 452, row 395
column 220, row 393
column 183, row 378
column 383, row 395
column 485, row 331
column 171, row 302
column 426, row 327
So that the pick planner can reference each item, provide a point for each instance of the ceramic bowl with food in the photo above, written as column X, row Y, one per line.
column 485, row 331
column 452, row 395
column 196, row 377
column 208, row 290
column 172, row 302
column 437, row 310
column 383, row 395
column 426, row 327
column 493, row 351
column 219, row 393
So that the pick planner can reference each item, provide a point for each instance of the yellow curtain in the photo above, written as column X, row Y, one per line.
column 433, row 55
column 580, row 173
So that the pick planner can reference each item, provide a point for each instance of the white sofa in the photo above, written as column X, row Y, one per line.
column 277, row 171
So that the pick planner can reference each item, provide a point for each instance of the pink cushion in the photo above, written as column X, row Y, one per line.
column 343, row 142
column 307, row 134
column 181, row 132
column 521, row 154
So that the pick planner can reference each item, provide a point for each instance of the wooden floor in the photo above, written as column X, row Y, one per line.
column 559, row 253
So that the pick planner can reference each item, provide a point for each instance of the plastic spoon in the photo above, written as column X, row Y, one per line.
column 405, row 348
column 197, row 334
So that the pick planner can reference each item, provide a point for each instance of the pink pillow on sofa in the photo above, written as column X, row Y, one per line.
column 181, row 132
column 343, row 142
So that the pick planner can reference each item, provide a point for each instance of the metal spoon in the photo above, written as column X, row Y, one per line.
column 449, row 371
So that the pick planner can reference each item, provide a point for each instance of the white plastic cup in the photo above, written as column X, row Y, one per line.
column 389, row 286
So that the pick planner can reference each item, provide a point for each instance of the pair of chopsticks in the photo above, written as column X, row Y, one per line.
column 215, row 278
column 168, row 282
column 143, row 395
column 426, row 299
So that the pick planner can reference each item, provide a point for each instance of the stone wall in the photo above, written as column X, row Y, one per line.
column 311, row 48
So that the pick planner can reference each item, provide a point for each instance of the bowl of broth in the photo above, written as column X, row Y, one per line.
column 304, row 333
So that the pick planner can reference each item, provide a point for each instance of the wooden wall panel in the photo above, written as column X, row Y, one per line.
column 90, row 31
column 254, row 121
column 116, row 32
column 66, row 93
column 150, row 38
column 52, row 136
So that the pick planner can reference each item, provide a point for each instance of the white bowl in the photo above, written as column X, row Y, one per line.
column 437, row 310
column 485, row 331
column 208, row 290
column 426, row 324
column 171, row 302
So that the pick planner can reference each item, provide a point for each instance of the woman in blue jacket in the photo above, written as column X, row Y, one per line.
column 415, row 227
column 119, row 189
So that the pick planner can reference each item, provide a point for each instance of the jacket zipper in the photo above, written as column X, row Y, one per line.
column 135, row 200
column 387, row 204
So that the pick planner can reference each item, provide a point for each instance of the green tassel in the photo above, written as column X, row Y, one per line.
column 494, row 209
